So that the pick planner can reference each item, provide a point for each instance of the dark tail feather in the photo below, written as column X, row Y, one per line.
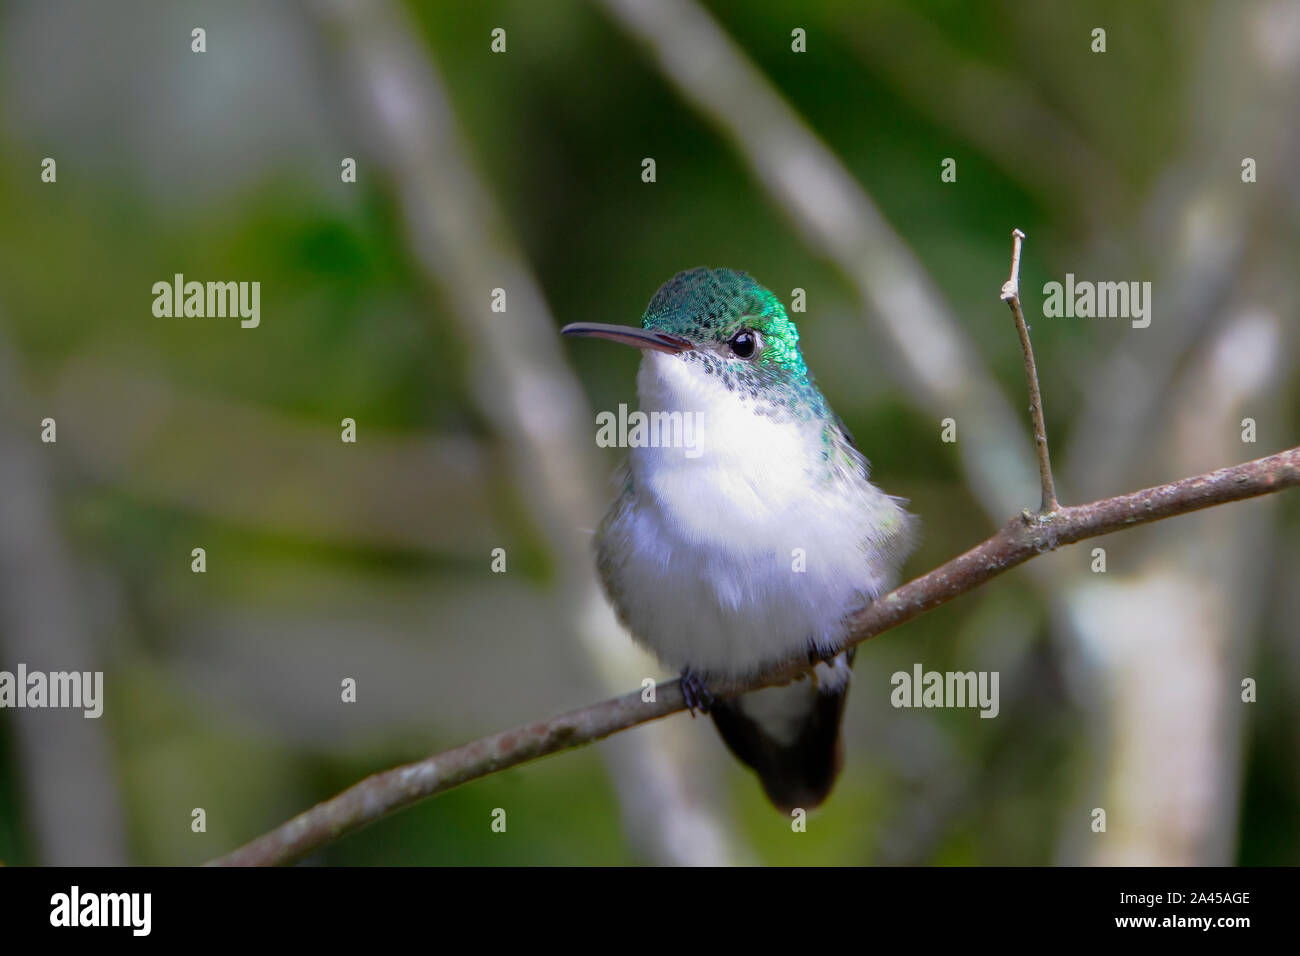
column 797, row 755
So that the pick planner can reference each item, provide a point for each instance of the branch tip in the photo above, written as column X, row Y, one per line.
column 1011, row 288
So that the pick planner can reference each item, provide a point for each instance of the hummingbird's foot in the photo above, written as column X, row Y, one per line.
column 818, row 655
column 696, row 693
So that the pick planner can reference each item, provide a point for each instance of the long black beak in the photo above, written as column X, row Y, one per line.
column 630, row 335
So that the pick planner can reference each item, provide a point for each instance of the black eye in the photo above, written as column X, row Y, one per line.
column 745, row 343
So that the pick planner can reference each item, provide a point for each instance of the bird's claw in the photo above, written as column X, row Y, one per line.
column 696, row 693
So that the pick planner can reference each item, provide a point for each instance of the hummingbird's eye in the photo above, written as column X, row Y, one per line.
column 745, row 343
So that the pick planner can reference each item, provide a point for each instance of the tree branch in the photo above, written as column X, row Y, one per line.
column 1011, row 296
column 1021, row 539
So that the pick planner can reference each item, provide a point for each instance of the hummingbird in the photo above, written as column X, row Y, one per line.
column 746, row 551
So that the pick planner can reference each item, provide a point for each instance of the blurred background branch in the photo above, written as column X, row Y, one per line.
column 521, row 383
column 75, row 816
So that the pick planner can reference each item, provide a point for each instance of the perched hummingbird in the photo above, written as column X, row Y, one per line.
column 746, row 551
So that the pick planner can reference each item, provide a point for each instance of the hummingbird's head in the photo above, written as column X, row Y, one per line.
column 723, row 323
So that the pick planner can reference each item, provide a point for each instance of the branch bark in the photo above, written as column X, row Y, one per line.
column 1022, row 538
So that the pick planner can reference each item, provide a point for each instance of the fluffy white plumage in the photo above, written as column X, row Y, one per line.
column 701, row 554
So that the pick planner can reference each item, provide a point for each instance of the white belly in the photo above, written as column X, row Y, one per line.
column 746, row 555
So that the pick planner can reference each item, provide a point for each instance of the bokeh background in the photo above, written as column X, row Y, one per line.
column 522, row 170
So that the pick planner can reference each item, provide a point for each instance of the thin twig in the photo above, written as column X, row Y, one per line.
column 1011, row 296
column 1018, row 541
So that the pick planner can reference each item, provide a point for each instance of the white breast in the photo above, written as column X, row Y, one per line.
column 742, row 555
